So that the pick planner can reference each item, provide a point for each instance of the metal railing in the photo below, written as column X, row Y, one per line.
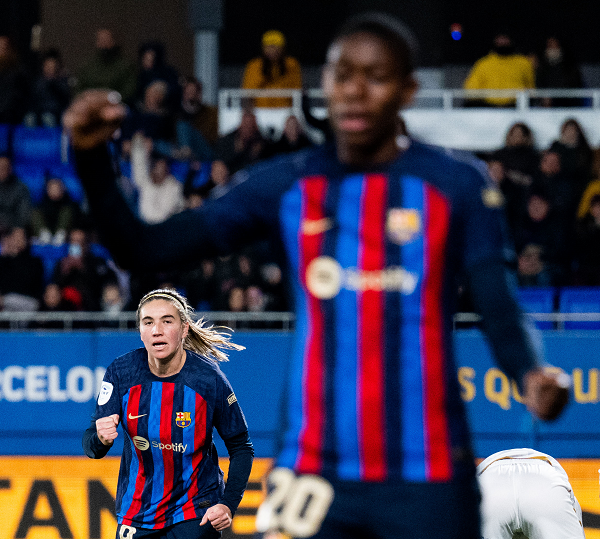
column 69, row 321
column 558, row 320
column 232, row 98
column 282, row 321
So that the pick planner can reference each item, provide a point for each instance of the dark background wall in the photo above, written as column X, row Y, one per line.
column 308, row 25
column 71, row 25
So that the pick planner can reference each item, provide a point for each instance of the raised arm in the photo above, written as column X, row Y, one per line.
column 185, row 238
column 492, row 288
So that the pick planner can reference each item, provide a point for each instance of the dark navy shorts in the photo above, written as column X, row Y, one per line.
column 403, row 511
column 308, row 506
column 188, row 529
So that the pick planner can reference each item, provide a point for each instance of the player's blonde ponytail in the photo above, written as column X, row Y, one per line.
column 204, row 340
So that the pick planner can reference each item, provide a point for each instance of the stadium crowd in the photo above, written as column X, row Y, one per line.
column 172, row 158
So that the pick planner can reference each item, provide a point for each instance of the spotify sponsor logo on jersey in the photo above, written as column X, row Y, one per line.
column 142, row 444
column 50, row 383
column 325, row 278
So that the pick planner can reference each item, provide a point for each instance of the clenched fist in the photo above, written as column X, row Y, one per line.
column 546, row 392
column 93, row 117
column 106, row 427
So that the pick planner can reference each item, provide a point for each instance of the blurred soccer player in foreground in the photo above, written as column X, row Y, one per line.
column 169, row 396
column 527, row 494
column 376, row 229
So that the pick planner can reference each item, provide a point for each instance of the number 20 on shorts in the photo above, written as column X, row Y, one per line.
column 295, row 505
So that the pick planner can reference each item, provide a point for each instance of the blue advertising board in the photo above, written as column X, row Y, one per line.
column 49, row 382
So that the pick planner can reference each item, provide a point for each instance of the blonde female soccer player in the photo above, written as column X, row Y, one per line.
column 168, row 397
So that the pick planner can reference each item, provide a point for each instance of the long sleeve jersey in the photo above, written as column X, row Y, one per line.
column 373, row 257
column 169, row 468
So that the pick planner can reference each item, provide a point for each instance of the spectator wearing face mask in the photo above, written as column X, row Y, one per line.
column 501, row 69
column 81, row 274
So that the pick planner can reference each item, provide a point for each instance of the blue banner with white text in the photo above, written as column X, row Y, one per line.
column 49, row 382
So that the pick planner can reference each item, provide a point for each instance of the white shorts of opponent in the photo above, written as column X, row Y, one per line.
column 526, row 493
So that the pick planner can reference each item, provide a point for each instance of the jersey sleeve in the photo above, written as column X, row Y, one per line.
column 484, row 231
column 108, row 402
column 247, row 213
column 487, row 253
column 228, row 417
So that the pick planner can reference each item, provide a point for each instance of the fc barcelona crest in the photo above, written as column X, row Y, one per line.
column 403, row 225
column 183, row 419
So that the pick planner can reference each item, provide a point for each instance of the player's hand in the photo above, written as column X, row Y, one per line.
column 106, row 427
column 546, row 392
column 219, row 516
column 93, row 117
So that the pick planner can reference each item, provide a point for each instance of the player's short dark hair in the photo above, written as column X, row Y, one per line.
column 394, row 32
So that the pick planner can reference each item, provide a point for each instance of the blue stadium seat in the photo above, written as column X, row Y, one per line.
column 580, row 300
column 538, row 300
column 201, row 177
column 50, row 255
column 125, row 167
column 98, row 249
column 39, row 146
column 34, row 177
column 179, row 169
column 4, row 139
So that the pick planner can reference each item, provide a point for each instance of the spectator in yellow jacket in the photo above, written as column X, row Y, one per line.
column 273, row 70
column 501, row 69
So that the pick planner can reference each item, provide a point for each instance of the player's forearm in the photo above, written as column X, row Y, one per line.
column 134, row 244
column 92, row 446
column 241, row 455
column 117, row 224
column 503, row 321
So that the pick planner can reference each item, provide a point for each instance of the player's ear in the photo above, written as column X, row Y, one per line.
column 409, row 89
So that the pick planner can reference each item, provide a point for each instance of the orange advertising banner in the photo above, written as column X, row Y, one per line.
column 73, row 497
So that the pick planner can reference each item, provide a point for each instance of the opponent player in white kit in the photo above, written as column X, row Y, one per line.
column 527, row 493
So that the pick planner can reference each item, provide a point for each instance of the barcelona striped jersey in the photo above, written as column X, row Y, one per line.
column 374, row 259
column 169, row 468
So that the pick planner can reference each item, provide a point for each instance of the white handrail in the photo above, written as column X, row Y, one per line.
column 448, row 98
column 284, row 320
column 441, row 117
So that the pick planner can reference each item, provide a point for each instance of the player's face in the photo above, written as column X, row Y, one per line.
column 162, row 330
column 365, row 89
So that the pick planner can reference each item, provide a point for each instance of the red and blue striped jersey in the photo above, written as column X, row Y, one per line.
column 169, row 467
column 374, row 260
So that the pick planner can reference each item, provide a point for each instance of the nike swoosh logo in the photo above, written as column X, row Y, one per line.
column 136, row 416
column 312, row 227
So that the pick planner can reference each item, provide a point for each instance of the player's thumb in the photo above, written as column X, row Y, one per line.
column 115, row 418
column 204, row 519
